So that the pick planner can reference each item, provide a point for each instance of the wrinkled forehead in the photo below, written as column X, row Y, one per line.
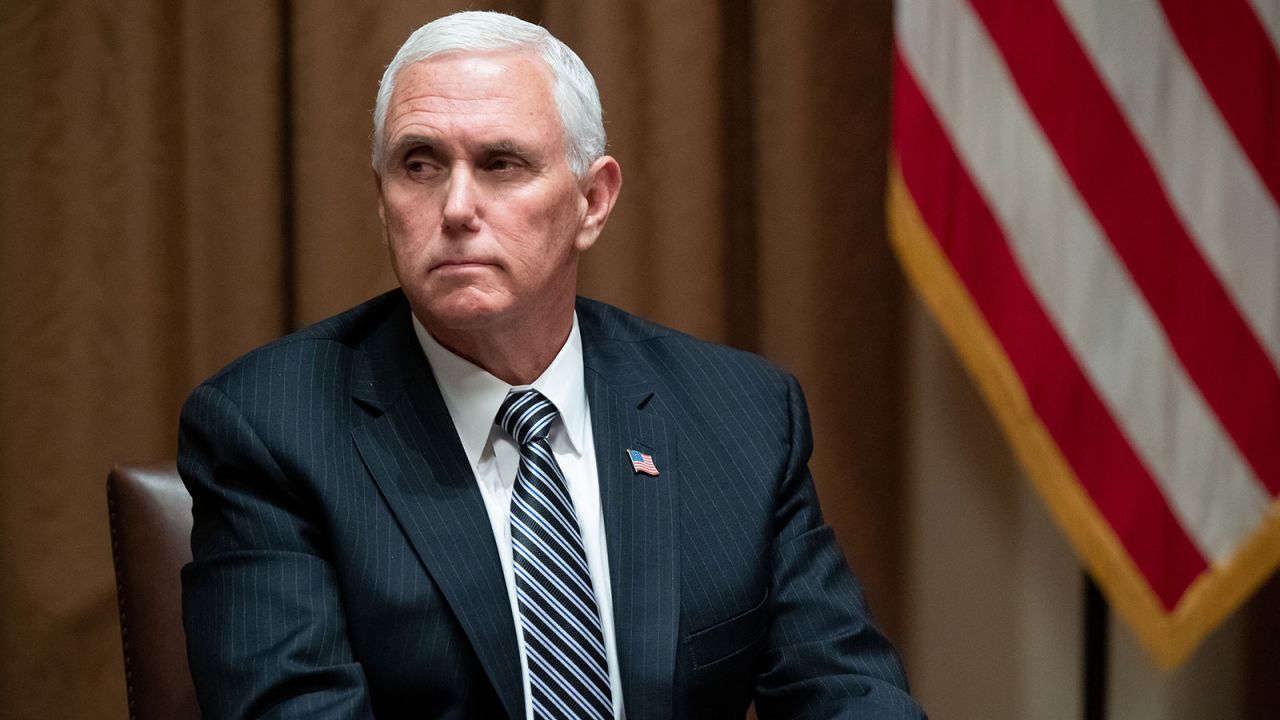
column 478, row 93
column 474, row 99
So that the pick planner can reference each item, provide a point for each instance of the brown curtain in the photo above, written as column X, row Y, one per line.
column 182, row 181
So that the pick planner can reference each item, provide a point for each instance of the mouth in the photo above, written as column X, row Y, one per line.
column 459, row 265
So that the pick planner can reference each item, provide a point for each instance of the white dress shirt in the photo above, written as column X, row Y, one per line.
column 473, row 396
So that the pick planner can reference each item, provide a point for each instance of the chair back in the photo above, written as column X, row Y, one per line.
column 150, row 513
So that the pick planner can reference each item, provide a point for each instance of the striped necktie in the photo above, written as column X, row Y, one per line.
column 563, row 642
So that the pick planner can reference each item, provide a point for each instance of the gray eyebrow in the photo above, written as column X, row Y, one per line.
column 503, row 146
column 430, row 144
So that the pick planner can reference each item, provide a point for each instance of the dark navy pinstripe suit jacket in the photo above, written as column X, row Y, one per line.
column 344, row 565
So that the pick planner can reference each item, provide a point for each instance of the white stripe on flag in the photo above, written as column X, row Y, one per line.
column 1074, row 270
column 1215, row 190
column 1269, row 13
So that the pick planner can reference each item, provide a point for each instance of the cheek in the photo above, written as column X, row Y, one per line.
column 407, row 237
column 542, row 241
column 407, row 217
column 552, row 220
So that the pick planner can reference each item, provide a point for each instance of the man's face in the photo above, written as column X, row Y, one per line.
column 483, row 217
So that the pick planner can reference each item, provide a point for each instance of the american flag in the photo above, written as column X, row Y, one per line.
column 643, row 462
column 1086, row 193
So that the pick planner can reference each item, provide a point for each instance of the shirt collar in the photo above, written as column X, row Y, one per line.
column 473, row 395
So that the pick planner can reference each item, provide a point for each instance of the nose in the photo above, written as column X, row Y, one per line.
column 460, row 201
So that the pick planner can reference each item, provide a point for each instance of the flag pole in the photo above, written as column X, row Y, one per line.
column 1096, row 621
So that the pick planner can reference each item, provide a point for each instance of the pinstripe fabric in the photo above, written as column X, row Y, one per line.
column 344, row 565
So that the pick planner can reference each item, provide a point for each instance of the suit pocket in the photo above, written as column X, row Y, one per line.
column 731, row 637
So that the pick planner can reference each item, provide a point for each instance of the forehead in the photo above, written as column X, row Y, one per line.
column 506, row 90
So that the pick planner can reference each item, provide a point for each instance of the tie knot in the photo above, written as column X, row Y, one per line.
column 527, row 415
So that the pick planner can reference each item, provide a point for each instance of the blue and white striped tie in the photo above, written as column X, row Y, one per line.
column 568, row 669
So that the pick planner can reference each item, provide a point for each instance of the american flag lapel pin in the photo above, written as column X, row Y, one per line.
column 642, row 462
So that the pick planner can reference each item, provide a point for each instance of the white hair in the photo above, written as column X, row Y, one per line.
column 572, row 86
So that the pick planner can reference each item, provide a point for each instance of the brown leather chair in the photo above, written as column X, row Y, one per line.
column 151, row 541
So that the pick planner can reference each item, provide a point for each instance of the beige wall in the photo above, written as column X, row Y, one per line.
column 995, row 595
column 995, row 620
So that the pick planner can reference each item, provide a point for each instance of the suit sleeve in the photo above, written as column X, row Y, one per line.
column 826, row 658
column 265, row 630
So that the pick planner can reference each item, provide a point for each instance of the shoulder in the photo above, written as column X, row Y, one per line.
column 320, row 354
column 345, row 332
column 676, row 357
column 286, row 400
column 602, row 322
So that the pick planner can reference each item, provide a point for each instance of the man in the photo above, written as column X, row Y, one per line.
column 477, row 496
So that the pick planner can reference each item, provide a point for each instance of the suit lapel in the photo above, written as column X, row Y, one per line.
column 413, row 453
column 641, row 516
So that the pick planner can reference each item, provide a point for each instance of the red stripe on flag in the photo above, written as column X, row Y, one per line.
column 1231, row 51
column 1114, row 177
column 1104, row 462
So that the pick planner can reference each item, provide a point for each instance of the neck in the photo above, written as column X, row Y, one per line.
column 516, row 353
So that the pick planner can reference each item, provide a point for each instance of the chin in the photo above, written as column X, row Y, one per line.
column 464, row 310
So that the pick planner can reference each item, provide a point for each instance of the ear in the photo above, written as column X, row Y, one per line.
column 382, row 210
column 600, row 188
